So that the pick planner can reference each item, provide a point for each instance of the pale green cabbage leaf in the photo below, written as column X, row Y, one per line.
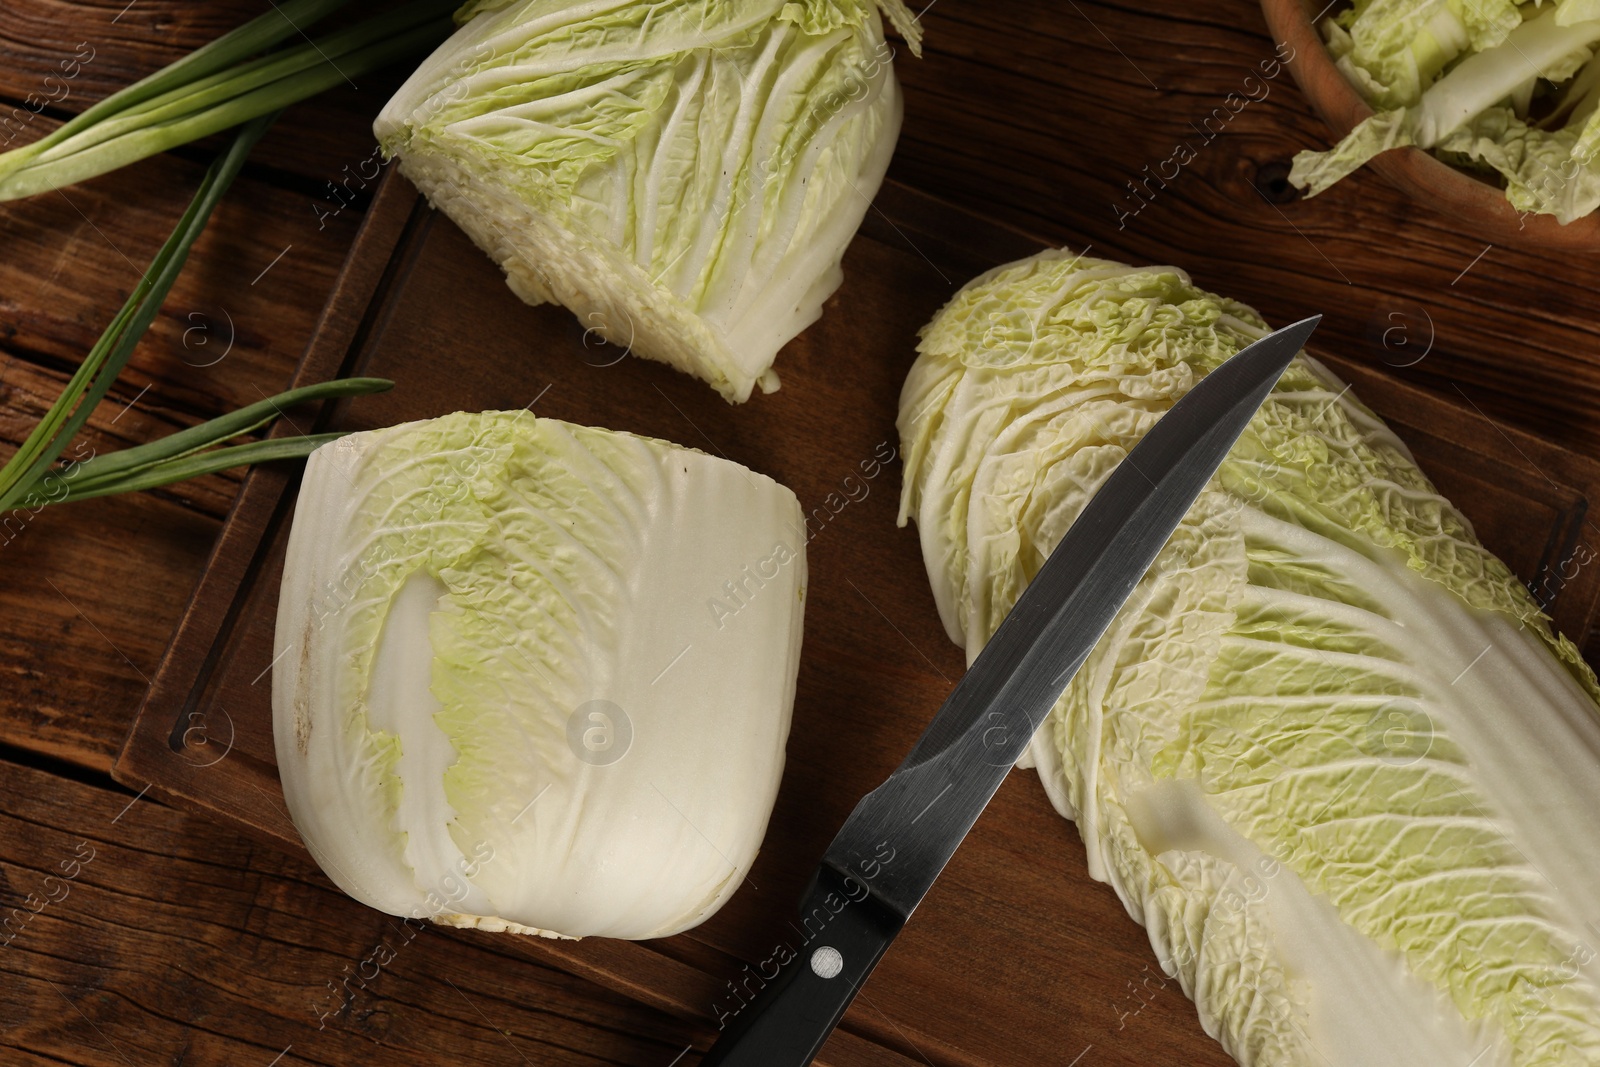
column 1460, row 79
column 683, row 175
column 474, row 610
column 1549, row 172
column 1393, row 49
column 1330, row 753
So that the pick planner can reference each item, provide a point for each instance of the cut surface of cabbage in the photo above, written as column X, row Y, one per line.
column 683, row 175
column 1330, row 754
column 536, row 676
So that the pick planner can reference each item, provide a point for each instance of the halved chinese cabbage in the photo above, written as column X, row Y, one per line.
column 508, row 689
column 683, row 175
column 1330, row 753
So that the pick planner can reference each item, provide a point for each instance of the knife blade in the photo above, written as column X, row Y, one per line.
column 900, row 836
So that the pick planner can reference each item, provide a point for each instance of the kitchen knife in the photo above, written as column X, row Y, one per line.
column 902, row 834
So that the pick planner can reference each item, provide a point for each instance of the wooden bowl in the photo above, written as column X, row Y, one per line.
column 1482, row 208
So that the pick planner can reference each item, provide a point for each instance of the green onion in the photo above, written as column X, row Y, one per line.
column 191, row 466
column 28, row 474
column 260, row 33
column 220, row 86
column 180, row 455
column 110, row 353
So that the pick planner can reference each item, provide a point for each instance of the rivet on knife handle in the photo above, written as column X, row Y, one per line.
column 789, row 1018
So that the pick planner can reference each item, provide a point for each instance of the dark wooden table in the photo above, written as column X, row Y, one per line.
column 180, row 942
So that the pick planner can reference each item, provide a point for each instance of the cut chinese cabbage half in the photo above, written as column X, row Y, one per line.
column 503, row 694
column 684, row 175
column 1330, row 753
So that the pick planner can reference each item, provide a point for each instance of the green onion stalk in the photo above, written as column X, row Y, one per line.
column 234, row 79
column 29, row 476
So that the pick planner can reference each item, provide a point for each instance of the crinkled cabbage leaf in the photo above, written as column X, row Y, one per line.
column 1330, row 753
column 683, row 175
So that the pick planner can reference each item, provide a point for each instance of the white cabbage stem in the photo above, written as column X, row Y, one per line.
column 1485, row 78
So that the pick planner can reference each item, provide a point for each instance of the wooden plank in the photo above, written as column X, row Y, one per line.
column 29, row 389
column 212, row 613
column 132, row 933
column 90, row 595
column 94, row 590
column 229, row 334
column 876, row 657
column 257, row 277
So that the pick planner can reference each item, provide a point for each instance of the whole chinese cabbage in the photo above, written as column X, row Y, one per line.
column 684, row 175
column 1330, row 753
column 504, row 695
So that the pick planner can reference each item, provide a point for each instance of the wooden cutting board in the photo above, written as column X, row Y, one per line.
column 1016, row 956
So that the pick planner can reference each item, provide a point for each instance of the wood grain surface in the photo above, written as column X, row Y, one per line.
column 1046, row 955
column 1038, row 114
column 134, row 934
column 1042, row 115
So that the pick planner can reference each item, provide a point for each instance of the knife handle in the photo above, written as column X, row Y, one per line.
column 843, row 934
